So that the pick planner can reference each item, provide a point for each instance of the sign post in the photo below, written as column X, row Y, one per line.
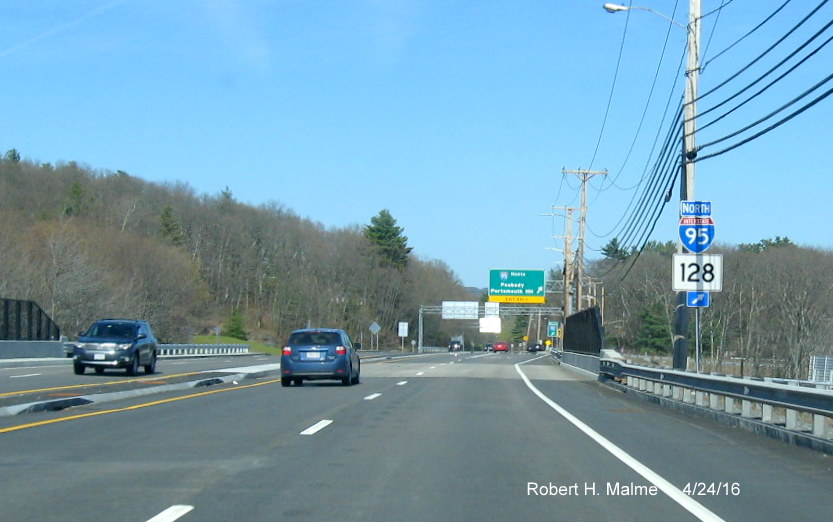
column 403, row 333
column 697, row 274
column 374, row 332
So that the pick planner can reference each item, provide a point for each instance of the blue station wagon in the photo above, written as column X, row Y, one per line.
column 320, row 353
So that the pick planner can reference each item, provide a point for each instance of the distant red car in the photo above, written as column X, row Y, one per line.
column 501, row 346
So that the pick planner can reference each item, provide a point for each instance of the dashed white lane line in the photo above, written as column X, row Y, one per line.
column 171, row 514
column 318, row 426
column 420, row 373
column 22, row 376
column 402, row 383
column 373, row 396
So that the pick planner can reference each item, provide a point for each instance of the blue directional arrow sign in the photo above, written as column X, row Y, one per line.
column 696, row 233
column 698, row 299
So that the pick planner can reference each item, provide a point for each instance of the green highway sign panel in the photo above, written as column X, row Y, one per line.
column 516, row 286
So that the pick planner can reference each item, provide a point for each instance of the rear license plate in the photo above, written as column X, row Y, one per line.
column 314, row 356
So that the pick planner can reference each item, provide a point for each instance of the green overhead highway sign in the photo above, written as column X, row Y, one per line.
column 516, row 286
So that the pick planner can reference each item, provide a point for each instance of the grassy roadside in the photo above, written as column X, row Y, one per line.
column 253, row 346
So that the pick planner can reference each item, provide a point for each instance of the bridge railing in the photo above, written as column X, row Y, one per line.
column 796, row 405
column 196, row 350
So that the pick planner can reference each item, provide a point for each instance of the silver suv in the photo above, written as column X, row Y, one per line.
column 115, row 343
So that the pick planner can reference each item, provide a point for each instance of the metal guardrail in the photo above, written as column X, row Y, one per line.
column 796, row 406
column 198, row 350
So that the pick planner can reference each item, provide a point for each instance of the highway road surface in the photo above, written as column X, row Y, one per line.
column 432, row 437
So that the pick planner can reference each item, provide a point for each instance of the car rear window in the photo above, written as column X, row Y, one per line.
column 314, row 338
column 113, row 331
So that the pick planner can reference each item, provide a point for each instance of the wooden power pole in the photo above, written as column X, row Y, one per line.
column 584, row 176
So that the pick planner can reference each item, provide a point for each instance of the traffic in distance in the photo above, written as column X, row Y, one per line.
column 423, row 434
column 115, row 343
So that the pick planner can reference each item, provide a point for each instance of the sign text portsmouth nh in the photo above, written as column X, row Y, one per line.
column 516, row 286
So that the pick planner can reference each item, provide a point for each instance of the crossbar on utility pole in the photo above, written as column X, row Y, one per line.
column 568, row 259
column 584, row 176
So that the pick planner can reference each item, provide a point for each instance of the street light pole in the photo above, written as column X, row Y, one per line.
column 689, row 155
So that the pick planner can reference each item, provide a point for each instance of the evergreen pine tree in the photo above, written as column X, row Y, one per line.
column 387, row 239
column 235, row 328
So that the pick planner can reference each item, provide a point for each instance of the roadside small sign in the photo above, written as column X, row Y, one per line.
column 697, row 272
column 698, row 299
column 696, row 225
column 696, row 208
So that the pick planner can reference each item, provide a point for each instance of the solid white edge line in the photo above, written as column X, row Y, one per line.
column 315, row 428
column 373, row 396
column 171, row 514
column 689, row 504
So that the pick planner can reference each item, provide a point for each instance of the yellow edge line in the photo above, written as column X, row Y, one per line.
column 75, row 386
column 134, row 407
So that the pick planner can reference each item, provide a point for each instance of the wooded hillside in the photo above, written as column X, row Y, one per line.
column 775, row 310
column 86, row 244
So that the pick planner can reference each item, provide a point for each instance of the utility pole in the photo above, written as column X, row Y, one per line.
column 568, row 259
column 680, row 348
column 584, row 176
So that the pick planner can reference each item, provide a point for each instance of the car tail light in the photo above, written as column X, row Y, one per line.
column 287, row 350
column 341, row 350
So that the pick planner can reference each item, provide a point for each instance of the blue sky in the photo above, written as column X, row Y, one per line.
column 457, row 116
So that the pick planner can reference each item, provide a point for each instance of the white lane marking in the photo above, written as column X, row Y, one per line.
column 420, row 373
column 432, row 368
column 689, row 504
column 372, row 396
column 171, row 514
column 402, row 383
column 21, row 376
column 315, row 428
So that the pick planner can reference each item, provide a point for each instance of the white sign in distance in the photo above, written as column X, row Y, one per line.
column 697, row 273
column 490, row 324
column 403, row 329
column 460, row 309
column 491, row 309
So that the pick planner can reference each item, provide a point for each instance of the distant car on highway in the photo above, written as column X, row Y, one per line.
column 489, row 347
column 535, row 348
column 501, row 346
column 115, row 343
column 320, row 353
column 455, row 346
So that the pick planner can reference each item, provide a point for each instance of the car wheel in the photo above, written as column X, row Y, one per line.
column 133, row 367
column 151, row 367
column 79, row 368
column 345, row 381
column 286, row 381
column 99, row 370
column 356, row 378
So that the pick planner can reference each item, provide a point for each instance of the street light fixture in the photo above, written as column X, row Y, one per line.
column 689, row 150
column 615, row 8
